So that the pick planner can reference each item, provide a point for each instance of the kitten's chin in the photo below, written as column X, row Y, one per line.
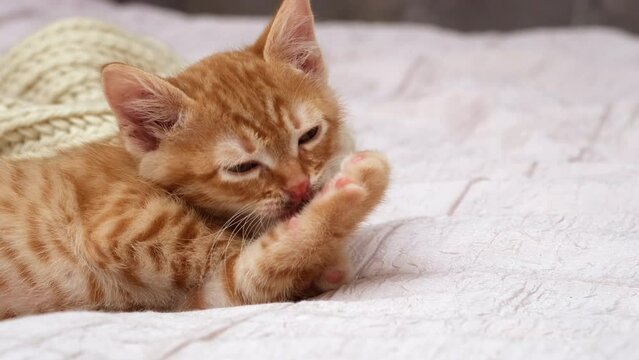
column 284, row 213
column 291, row 209
column 277, row 210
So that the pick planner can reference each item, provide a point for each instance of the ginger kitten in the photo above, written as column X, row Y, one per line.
column 202, row 203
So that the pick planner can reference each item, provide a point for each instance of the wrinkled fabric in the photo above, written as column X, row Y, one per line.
column 510, row 229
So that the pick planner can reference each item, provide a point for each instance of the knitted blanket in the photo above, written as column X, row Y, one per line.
column 50, row 90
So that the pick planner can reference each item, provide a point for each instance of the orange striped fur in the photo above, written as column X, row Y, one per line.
column 231, row 185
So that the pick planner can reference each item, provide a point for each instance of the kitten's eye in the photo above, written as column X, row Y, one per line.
column 243, row 168
column 308, row 136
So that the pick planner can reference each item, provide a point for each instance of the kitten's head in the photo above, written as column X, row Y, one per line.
column 257, row 130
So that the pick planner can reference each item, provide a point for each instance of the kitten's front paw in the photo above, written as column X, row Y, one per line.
column 354, row 191
column 369, row 168
column 341, row 193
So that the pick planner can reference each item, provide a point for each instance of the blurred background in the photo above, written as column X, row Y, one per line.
column 464, row 15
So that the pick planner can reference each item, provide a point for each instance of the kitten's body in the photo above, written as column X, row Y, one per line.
column 239, row 138
column 81, row 231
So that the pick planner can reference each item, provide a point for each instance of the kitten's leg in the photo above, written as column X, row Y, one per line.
column 306, row 252
column 338, row 272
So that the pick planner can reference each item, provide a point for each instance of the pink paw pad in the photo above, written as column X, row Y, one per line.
column 334, row 276
column 343, row 181
column 357, row 158
column 292, row 222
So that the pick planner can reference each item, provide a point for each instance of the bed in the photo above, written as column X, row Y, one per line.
column 511, row 229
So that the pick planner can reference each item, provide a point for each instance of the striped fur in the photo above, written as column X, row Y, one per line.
column 161, row 221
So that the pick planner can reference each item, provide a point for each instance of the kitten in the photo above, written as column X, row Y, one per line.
column 201, row 204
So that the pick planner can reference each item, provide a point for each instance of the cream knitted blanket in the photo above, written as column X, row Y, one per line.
column 50, row 91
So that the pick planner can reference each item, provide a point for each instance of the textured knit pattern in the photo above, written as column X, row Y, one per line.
column 50, row 91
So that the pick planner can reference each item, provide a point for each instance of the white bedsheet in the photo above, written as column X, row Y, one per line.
column 510, row 231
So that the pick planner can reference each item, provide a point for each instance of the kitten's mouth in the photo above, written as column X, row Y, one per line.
column 293, row 208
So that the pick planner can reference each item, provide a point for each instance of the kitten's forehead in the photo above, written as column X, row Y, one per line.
column 299, row 115
column 267, row 142
column 305, row 115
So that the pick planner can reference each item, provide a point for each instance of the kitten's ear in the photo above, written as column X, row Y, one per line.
column 145, row 105
column 291, row 38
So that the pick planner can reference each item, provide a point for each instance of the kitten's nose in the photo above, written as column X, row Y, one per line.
column 299, row 190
